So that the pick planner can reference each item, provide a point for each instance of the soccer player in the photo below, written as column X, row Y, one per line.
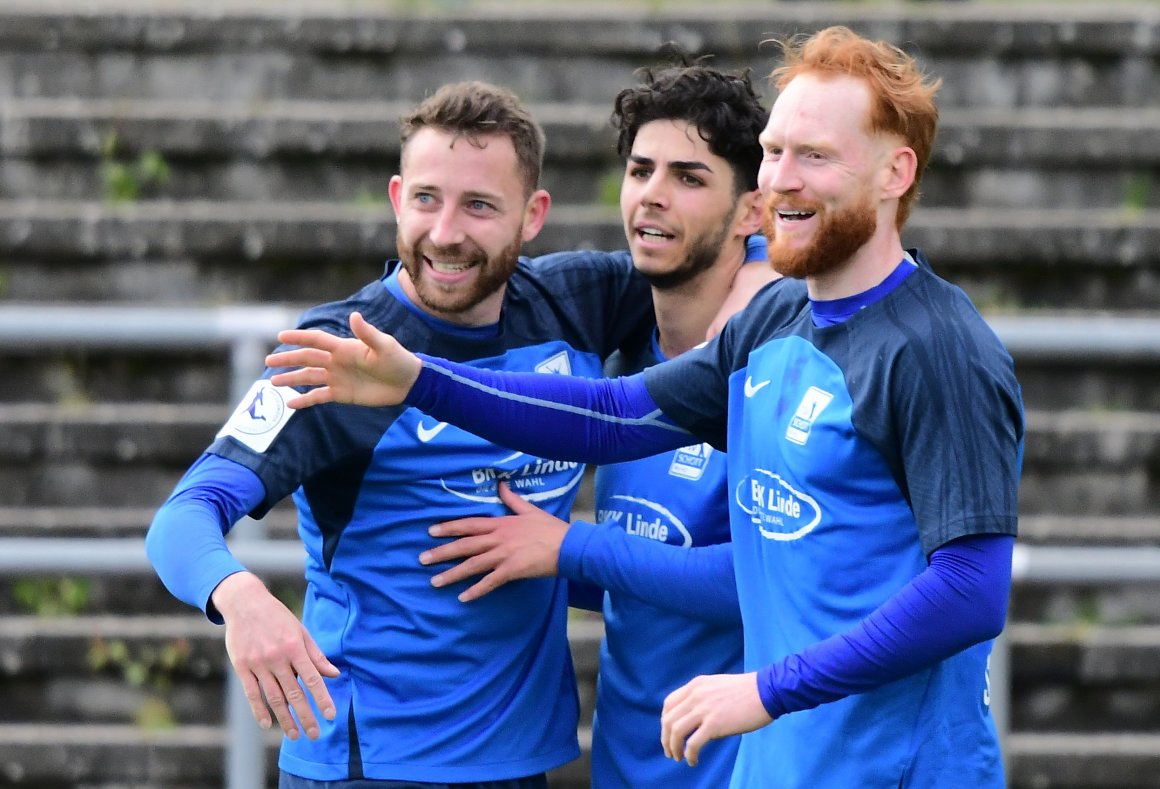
column 689, row 200
column 875, row 444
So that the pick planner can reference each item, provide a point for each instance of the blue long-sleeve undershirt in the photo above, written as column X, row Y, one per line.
column 959, row 600
column 697, row 582
column 186, row 541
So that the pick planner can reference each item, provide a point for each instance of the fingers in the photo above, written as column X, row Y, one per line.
column 513, row 501
column 309, row 339
column 463, row 527
column 323, row 394
column 457, row 549
column 676, row 723
column 302, row 376
column 487, row 584
column 283, row 694
column 254, row 698
column 468, row 568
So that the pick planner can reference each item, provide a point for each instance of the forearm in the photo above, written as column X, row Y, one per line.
column 697, row 582
column 556, row 416
column 186, row 541
column 958, row 601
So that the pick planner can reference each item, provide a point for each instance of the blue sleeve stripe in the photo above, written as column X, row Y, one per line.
column 652, row 419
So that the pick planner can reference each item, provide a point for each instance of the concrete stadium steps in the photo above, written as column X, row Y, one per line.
column 1015, row 55
column 1095, row 728
column 87, row 375
column 344, row 152
column 112, row 522
column 50, row 756
column 205, row 252
column 118, row 455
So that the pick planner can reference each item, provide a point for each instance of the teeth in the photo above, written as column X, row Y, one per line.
column 795, row 214
column 648, row 231
column 449, row 268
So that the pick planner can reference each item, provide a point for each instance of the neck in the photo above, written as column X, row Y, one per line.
column 684, row 313
column 871, row 264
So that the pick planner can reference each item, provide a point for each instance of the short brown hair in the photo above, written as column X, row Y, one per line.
column 474, row 110
column 901, row 96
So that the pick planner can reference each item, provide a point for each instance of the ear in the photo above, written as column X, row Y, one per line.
column 899, row 170
column 747, row 218
column 395, row 192
column 535, row 213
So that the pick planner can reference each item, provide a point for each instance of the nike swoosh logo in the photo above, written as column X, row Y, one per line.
column 751, row 389
column 427, row 433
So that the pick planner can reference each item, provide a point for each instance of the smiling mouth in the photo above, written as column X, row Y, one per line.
column 794, row 216
column 448, row 267
column 652, row 234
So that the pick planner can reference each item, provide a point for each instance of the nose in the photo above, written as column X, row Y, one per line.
column 778, row 175
column 655, row 194
column 445, row 230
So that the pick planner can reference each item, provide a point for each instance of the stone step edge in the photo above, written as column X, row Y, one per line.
column 574, row 130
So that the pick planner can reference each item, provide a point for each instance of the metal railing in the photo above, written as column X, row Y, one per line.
column 248, row 331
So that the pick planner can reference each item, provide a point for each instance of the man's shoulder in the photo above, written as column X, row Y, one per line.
column 583, row 265
column 372, row 301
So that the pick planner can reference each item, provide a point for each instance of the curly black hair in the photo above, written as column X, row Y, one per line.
column 721, row 104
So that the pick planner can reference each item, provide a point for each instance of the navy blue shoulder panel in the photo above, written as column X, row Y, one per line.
column 693, row 389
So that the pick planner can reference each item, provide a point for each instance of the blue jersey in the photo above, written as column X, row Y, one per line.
column 679, row 498
column 431, row 689
column 854, row 451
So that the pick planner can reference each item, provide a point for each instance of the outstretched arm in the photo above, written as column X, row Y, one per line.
column 959, row 600
column 554, row 416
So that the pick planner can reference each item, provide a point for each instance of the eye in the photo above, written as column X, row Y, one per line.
column 477, row 206
column 423, row 198
column 691, row 180
column 639, row 172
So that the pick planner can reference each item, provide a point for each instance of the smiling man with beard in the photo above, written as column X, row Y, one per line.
column 393, row 683
column 874, row 442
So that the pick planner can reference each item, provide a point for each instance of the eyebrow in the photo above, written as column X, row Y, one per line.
column 677, row 165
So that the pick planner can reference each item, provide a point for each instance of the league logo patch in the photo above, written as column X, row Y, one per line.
column 808, row 410
column 690, row 462
column 261, row 415
column 557, row 364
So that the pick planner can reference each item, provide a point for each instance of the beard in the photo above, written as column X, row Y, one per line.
column 840, row 234
column 452, row 300
column 702, row 255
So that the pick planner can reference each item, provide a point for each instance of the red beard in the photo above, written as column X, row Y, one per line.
column 840, row 234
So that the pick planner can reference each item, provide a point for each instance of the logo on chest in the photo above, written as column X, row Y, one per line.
column 645, row 518
column 690, row 462
column 779, row 511
column 808, row 411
